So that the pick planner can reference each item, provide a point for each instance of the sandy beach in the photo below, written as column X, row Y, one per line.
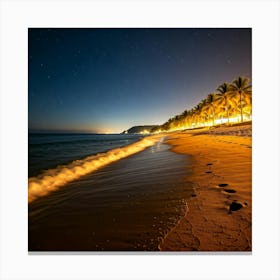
column 219, row 213
column 193, row 194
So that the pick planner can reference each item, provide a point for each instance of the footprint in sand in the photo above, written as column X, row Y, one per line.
column 223, row 185
column 229, row 191
column 235, row 206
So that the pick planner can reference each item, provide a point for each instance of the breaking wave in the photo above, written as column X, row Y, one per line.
column 53, row 179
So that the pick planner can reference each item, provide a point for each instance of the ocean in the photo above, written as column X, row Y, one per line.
column 47, row 151
column 91, row 192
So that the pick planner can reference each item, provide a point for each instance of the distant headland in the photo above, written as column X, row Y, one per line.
column 140, row 129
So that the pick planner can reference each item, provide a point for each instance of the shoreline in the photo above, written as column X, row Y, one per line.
column 219, row 155
column 52, row 179
column 128, row 205
column 219, row 215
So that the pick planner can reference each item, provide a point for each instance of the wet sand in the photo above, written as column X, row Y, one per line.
column 128, row 205
column 219, row 215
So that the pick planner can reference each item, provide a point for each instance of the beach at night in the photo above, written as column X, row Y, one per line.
column 134, row 146
column 154, row 200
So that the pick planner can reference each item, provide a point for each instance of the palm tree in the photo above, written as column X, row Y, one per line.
column 191, row 117
column 248, row 106
column 210, row 101
column 242, row 88
column 204, row 110
column 205, row 115
column 223, row 97
column 185, row 115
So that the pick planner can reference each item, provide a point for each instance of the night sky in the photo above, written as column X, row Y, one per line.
column 108, row 80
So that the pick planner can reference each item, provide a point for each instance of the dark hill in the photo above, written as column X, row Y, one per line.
column 139, row 129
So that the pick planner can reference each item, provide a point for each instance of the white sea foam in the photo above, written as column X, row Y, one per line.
column 53, row 179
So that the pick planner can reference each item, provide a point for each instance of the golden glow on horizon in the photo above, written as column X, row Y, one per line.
column 104, row 131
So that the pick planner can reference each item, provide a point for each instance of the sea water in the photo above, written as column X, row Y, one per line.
column 47, row 150
column 127, row 205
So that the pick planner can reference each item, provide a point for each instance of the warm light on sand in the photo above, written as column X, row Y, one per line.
column 222, row 175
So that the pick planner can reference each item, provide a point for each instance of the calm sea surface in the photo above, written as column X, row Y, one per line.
column 128, row 205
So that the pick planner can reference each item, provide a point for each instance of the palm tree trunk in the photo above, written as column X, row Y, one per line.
column 227, row 116
column 241, row 106
column 213, row 116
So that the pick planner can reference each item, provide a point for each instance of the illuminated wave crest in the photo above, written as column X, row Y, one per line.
column 53, row 179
